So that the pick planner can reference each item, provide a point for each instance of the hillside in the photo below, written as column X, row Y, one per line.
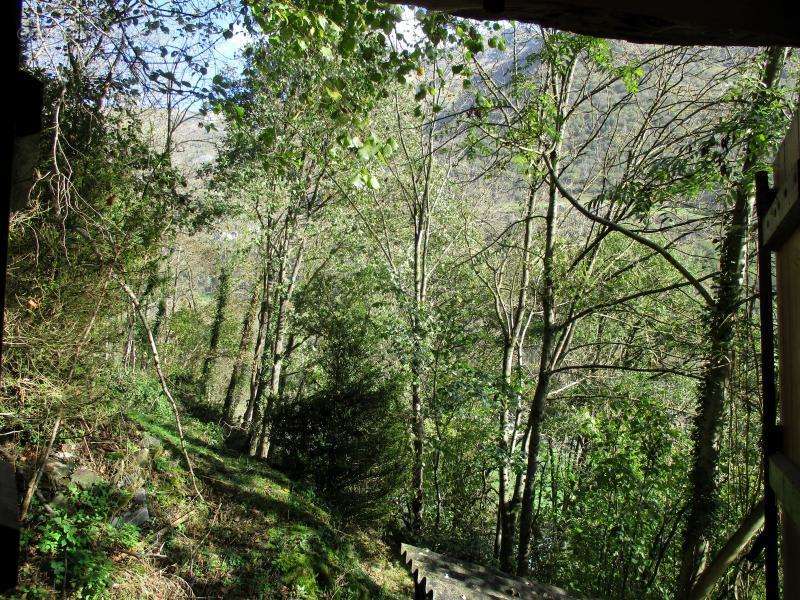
column 490, row 290
column 255, row 534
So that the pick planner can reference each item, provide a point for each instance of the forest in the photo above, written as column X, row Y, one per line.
column 296, row 281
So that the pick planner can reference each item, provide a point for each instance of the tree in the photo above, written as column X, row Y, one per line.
column 223, row 294
column 763, row 103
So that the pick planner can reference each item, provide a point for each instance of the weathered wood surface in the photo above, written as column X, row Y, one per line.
column 712, row 22
column 442, row 577
column 787, row 253
column 783, row 215
column 784, row 477
column 788, row 271
column 9, row 527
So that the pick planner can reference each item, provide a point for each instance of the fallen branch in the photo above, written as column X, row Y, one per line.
column 161, row 378
column 37, row 473
column 156, row 358
column 174, row 523
column 732, row 549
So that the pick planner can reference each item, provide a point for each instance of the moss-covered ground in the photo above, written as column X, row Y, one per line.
column 254, row 533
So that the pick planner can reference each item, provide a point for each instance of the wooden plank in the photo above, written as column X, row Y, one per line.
column 784, row 477
column 783, row 217
column 9, row 527
column 788, row 290
column 791, row 154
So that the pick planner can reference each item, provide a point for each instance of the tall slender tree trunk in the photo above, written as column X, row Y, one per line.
column 261, row 381
column 130, row 343
column 264, row 438
column 419, row 335
column 506, row 506
column 418, row 437
column 534, row 426
column 223, row 295
column 514, row 338
column 161, row 313
column 258, row 350
column 261, row 442
column 273, row 359
column 716, row 374
column 230, row 406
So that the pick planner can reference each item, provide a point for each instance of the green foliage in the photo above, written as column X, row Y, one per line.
column 313, row 564
column 609, row 494
column 391, row 195
column 349, row 437
column 79, row 540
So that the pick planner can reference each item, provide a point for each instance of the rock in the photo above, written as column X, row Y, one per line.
column 129, row 480
column 138, row 515
column 139, row 497
column 66, row 452
column 57, row 471
column 85, row 478
column 143, row 457
column 151, row 442
column 59, row 501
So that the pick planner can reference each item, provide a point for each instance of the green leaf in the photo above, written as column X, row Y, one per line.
column 364, row 153
column 333, row 93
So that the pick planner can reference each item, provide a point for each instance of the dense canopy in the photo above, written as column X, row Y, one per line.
column 298, row 281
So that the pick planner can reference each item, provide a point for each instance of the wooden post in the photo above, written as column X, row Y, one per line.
column 10, row 17
column 769, row 411
column 781, row 234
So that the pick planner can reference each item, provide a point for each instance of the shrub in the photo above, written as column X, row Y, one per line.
column 78, row 539
column 349, row 439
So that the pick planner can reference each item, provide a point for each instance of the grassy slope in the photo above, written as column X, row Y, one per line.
column 254, row 535
column 259, row 536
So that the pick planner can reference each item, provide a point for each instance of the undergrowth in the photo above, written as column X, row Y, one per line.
column 255, row 533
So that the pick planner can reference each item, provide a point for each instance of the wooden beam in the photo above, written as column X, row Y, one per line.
column 784, row 478
column 9, row 527
column 784, row 467
column 712, row 22
column 783, row 216
column 730, row 552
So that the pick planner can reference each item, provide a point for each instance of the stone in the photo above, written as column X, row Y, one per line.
column 85, row 478
column 139, row 497
column 151, row 442
column 143, row 457
column 59, row 501
column 57, row 471
column 138, row 515
column 130, row 480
